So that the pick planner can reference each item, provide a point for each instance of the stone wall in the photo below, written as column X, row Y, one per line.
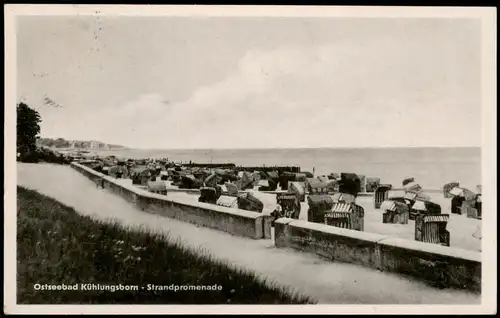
column 234, row 221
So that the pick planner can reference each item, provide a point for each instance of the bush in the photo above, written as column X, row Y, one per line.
column 43, row 155
column 58, row 246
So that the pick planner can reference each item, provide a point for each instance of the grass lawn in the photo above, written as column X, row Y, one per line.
column 56, row 245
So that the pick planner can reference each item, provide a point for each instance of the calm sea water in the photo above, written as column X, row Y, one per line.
column 431, row 167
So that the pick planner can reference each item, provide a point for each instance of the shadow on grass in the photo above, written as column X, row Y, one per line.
column 56, row 245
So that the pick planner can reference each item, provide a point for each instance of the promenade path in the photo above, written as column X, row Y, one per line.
column 327, row 282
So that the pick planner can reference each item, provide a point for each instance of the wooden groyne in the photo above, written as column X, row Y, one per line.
column 210, row 165
column 279, row 169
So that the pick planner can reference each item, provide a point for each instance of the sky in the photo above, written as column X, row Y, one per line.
column 249, row 82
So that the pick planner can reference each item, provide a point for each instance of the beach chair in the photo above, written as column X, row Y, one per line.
column 372, row 184
column 209, row 195
column 362, row 183
column 298, row 188
column 300, row 177
column 334, row 176
column 140, row 175
column 290, row 204
column 345, row 215
column 247, row 201
column 316, row 186
column 424, row 208
column 339, row 197
column 105, row 170
column 472, row 208
column 246, row 181
column 273, row 177
column 285, row 178
column 381, row 194
column 408, row 180
column 432, row 229
column 318, row 205
column 456, row 204
column 395, row 212
column 479, row 203
column 412, row 187
column 232, row 189
column 188, row 181
column 323, row 179
column 447, row 187
column 349, row 183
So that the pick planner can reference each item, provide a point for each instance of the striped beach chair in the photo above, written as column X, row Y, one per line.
column 338, row 219
column 432, row 229
column 345, row 215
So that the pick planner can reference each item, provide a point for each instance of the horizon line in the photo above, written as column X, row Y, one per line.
column 286, row 148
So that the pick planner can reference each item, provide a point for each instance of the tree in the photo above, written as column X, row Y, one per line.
column 28, row 128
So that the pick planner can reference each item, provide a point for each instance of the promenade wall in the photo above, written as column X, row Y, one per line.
column 440, row 265
column 234, row 221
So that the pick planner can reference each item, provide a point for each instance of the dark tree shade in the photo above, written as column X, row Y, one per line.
column 28, row 128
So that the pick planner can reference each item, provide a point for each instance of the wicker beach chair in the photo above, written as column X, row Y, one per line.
column 318, row 205
column 249, row 202
column 315, row 186
column 432, row 229
column 395, row 212
column 345, row 215
column 372, row 184
column 424, row 208
column 381, row 194
column 209, row 195
column 298, row 188
column 290, row 204
column 349, row 183
column 447, row 187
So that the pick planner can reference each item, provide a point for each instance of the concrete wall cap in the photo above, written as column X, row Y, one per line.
column 432, row 248
column 359, row 235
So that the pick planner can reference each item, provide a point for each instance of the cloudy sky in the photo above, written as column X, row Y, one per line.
column 166, row 82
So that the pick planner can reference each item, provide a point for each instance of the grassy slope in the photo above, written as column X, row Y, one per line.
column 58, row 246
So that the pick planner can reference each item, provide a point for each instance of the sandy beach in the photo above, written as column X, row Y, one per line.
column 460, row 227
column 333, row 283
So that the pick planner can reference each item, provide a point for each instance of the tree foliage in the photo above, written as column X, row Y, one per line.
column 28, row 128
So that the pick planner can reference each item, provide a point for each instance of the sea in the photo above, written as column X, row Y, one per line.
column 431, row 167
